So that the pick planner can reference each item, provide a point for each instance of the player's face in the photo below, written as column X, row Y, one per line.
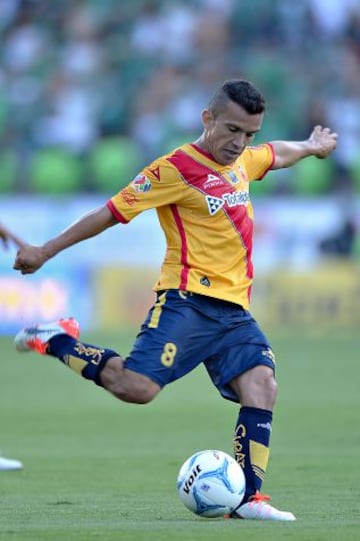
column 228, row 133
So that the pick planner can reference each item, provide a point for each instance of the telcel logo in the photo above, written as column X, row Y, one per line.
column 236, row 198
column 230, row 199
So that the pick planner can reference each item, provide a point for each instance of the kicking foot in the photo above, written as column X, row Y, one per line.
column 37, row 338
column 258, row 508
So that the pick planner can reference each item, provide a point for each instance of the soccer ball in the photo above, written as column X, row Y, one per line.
column 211, row 483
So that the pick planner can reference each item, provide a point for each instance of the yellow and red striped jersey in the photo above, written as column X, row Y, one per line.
column 205, row 212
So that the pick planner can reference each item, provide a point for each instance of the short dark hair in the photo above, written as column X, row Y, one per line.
column 241, row 92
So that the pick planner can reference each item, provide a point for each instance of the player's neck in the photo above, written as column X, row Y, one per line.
column 200, row 144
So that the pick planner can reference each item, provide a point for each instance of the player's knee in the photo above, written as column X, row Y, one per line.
column 264, row 383
column 271, row 387
column 257, row 387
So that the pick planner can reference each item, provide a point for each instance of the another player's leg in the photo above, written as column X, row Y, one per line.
column 103, row 366
column 10, row 464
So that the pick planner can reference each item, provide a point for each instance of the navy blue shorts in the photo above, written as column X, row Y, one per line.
column 185, row 329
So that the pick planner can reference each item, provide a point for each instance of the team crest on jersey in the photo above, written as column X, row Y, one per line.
column 204, row 281
column 233, row 178
column 141, row 184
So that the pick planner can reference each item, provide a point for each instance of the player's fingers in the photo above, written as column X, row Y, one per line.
column 19, row 264
column 22, row 267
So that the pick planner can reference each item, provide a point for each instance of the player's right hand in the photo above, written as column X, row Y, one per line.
column 29, row 259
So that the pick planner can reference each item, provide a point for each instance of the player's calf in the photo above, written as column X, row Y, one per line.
column 127, row 385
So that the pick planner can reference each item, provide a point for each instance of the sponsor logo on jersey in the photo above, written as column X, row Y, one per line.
column 236, row 198
column 212, row 181
column 129, row 197
column 214, row 204
column 141, row 184
column 267, row 426
column 156, row 172
column 230, row 199
column 268, row 353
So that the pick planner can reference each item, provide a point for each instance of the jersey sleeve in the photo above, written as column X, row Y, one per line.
column 155, row 186
column 259, row 160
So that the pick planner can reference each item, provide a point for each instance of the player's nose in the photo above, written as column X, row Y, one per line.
column 239, row 141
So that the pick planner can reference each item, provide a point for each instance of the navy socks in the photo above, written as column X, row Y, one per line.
column 85, row 359
column 251, row 446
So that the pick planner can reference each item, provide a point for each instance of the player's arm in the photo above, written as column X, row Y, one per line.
column 30, row 258
column 321, row 143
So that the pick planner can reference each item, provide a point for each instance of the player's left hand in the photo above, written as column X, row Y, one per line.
column 322, row 141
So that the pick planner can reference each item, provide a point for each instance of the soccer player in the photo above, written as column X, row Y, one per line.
column 7, row 464
column 201, row 315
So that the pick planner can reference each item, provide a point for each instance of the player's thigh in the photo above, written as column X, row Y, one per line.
column 173, row 340
column 243, row 347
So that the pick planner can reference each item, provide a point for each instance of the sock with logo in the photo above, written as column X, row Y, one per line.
column 85, row 359
column 251, row 446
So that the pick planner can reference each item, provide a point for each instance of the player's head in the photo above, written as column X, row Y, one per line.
column 241, row 92
column 233, row 116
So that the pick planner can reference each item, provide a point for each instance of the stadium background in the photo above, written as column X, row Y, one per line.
column 91, row 91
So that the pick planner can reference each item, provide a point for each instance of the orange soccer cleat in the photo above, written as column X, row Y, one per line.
column 36, row 338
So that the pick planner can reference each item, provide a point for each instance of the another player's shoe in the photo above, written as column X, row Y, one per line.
column 9, row 464
column 37, row 338
column 258, row 508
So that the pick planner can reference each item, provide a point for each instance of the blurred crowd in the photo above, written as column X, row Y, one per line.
column 92, row 90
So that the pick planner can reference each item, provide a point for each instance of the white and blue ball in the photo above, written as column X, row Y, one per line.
column 211, row 483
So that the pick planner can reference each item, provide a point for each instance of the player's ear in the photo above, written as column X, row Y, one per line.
column 206, row 117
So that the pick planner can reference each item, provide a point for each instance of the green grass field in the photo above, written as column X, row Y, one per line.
column 99, row 469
